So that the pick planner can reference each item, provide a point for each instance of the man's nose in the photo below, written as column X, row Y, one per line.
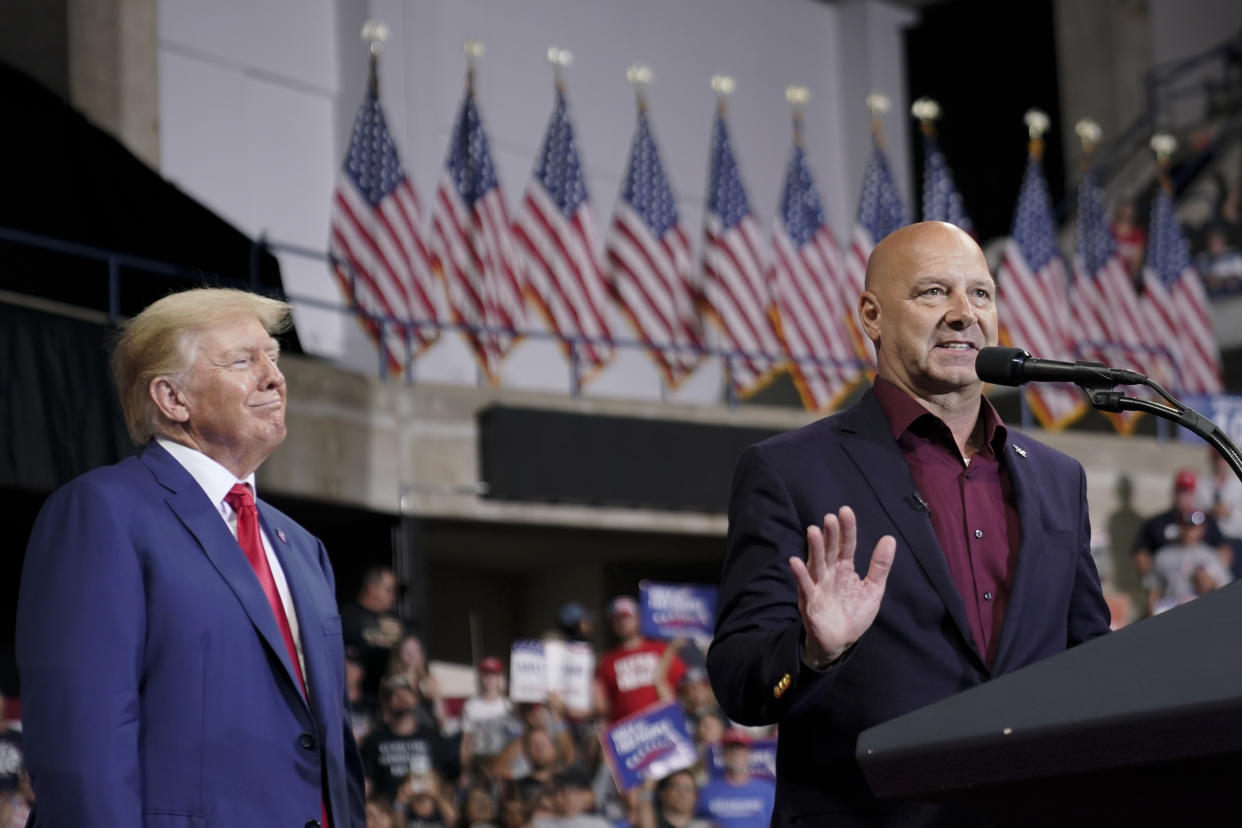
column 961, row 314
column 272, row 377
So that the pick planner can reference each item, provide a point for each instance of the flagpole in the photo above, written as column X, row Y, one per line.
column 877, row 105
column 560, row 60
column 723, row 86
column 1163, row 145
column 639, row 75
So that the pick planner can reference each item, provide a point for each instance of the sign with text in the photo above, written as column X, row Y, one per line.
column 650, row 744
column 677, row 610
column 1225, row 410
column 564, row 668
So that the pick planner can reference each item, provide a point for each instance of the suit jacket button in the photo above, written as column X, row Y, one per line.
column 314, row 823
column 307, row 740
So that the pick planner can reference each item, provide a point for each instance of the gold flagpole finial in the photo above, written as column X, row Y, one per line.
column 1037, row 124
column 474, row 51
column 877, row 105
column 375, row 33
column 927, row 112
column 640, row 76
column 1164, row 145
column 1089, row 133
column 798, row 97
column 560, row 60
column 723, row 86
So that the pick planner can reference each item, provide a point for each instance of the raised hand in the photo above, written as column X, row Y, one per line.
column 837, row 606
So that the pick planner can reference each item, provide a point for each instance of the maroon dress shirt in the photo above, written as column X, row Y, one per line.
column 971, row 506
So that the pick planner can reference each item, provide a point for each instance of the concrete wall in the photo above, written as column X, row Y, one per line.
column 413, row 450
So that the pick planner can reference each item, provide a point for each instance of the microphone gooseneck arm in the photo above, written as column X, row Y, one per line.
column 1014, row 366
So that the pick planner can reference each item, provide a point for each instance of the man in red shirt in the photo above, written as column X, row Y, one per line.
column 638, row 672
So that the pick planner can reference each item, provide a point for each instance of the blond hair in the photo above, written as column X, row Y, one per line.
column 159, row 343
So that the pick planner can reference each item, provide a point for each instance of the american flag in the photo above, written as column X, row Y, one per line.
column 564, row 270
column 649, row 259
column 810, row 292
column 1034, row 311
column 941, row 200
column 1176, row 304
column 471, row 245
column 375, row 241
column 880, row 212
column 1104, row 303
column 735, row 293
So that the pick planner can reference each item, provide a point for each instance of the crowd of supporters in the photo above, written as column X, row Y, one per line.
column 436, row 761
column 433, row 761
column 1195, row 545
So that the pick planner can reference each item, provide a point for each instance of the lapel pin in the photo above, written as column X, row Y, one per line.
column 280, row 533
column 1021, row 453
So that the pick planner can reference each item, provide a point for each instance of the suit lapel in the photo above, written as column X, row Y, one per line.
column 298, row 574
column 869, row 443
column 1031, row 526
column 199, row 516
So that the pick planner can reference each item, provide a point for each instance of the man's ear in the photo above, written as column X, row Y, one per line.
column 168, row 399
column 869, row 315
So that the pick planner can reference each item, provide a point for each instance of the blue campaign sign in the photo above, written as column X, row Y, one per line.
column 650, row 744
column 1225, row 410
column 677, row 610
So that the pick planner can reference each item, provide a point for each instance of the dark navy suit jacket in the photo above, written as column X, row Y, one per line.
column 920, row 649
column 156, row 687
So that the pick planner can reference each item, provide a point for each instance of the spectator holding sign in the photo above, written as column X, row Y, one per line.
column 488, row 723
column 737, row 800
column 676, row 799
column 637, row 672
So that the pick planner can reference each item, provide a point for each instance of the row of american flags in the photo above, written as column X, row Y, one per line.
column 782, row 300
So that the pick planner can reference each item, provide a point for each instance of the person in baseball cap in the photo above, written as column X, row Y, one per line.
column 737, row 799
column 1165, row 528
column 637, row 672
column 488, row 720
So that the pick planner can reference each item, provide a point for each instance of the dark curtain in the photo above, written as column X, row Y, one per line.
column 59, row 414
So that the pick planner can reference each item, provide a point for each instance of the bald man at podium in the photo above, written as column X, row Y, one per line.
column 901, row 551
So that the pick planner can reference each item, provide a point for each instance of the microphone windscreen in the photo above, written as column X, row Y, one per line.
column 1001, row 366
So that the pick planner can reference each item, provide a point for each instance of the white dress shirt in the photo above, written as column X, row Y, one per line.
column 216, row 481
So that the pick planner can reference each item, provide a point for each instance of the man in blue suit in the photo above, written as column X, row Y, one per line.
column 952, row 549
column 180, row 653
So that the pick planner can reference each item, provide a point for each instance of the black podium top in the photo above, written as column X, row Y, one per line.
column 1158, row 701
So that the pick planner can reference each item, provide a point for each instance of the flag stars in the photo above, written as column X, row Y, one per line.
column 469, row 161
column 800, row 208
column 1094, row 240
column 559, row 167
column 880, row 209
column 726, row 196
column 645, row 187
column 1033, row 228
column 373, row 162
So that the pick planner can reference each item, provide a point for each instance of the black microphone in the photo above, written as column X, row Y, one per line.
column 1014, row 366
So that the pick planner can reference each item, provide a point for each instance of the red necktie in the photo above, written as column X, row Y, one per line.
column 242, row 502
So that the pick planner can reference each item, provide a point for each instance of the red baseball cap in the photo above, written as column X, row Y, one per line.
column 623, row 605
column 1185, row 481
column 491, row 664
column 734, row 736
